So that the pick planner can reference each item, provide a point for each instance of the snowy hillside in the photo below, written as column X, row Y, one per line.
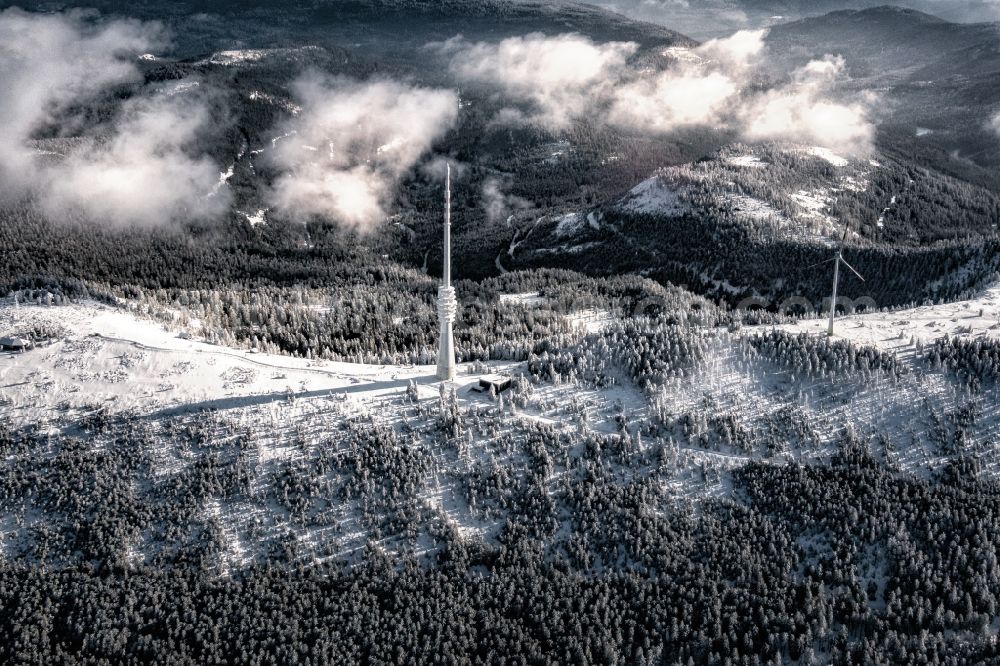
column 111, row 356
column 734, row 406
column 802, row 194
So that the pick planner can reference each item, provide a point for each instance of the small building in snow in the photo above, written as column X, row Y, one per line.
column 14, row 344
column 494, row 383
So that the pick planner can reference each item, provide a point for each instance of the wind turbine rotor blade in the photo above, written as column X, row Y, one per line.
column 821, row 263
column 852, row 269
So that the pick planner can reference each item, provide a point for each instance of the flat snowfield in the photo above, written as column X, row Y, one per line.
column 978, row 317
column 113, row 357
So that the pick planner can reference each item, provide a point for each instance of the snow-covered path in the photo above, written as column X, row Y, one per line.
column 112, row 357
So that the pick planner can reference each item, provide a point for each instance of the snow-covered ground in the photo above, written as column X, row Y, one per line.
column 289, row 407
column 287, row 105
column 527, row 299
column 828, row 155
column 244, row 56
column 682, row 54
column 755, row 209
column 256, row 219
column 569, row 224
column 112, row 357
column 653, row 196
column 806, row 217
column 978, row 317
column 746, row 161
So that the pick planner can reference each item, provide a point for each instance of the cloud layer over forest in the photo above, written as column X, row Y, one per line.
column 140, row 167
column 718, row 84
column 345, row 153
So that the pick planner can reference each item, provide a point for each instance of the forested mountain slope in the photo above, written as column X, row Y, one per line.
column 938, row 80
column 759, row 222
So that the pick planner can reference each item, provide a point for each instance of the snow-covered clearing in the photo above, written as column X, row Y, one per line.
column 755, row 209
column 128, row 363
column 247, row 56
column 591, row 320
column 568, row 225
column 812, row 203
column 892, row 331
column 527, row 299
column 751, row 161
column 901, row 408
column 287, row 105
column 256, row 219
column 827, row 155
column 654, row 197
column 183, row 87
column 682, row 54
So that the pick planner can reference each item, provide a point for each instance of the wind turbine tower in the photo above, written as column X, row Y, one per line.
column 837, row 261
column 447, row 303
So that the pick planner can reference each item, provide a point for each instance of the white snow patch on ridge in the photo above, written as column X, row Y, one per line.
column 812, row 202
column 746, row 161
column 682, row 54
column 224, row 178
column 653, row 196
column 568, row 224
column 828, row 155
column 237, row 56
column 258, row 96
column 753, row 208
column 527, row 299
column 257, row 218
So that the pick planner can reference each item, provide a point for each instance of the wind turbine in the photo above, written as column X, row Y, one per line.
column 837, row 261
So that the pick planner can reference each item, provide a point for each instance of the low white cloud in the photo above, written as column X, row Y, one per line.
column 142, row 167
column 804, row 111
column 145, row 173
column 672, row 100
column 699, row 89
column 436, row 168
column 993, row 124
column 352, row 143
column 825, row 69
column 558, row 75
column 497, row 203
column 560, row 79
column 735, row 52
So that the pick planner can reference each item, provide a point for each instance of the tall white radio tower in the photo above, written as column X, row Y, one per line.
column 447, row 303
